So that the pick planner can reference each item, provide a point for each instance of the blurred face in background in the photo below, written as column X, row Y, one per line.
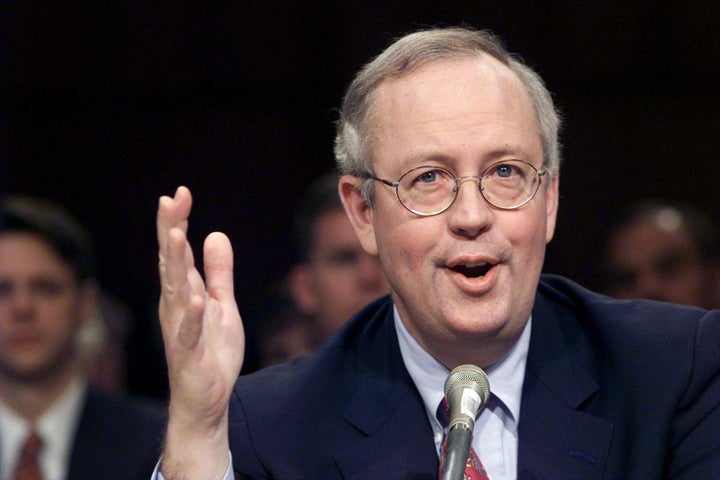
column 339, row 277
column 655, row 257
column 42, row 306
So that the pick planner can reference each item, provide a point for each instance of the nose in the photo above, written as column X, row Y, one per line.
column 470, row 214
column 475, row 178
column 21, row 303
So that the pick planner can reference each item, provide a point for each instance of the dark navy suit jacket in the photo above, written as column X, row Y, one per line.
column 116, row 439
column 613, row 390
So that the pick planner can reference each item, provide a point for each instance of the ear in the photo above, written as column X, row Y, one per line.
column 302, row 289
column 552, row 194
column 358, row 211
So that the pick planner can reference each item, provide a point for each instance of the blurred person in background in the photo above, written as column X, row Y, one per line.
column 54, row 424
column 284, row 333
column 331, row 279
column 102, row 342
column 663, row 251
column 334, row 276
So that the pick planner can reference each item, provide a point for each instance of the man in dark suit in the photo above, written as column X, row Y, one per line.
column 47, row 294
column 450, row 157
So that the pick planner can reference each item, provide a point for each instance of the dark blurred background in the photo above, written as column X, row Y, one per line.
column 105, row 106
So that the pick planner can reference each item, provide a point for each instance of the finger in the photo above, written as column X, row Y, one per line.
column 173, row 213
column 182, row 299
column 176, row 289
column 218, row 262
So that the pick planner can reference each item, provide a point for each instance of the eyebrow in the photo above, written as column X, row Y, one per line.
column 424, row 159
column 432, row 158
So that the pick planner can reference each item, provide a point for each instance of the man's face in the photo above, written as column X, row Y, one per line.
column 340, row 277
column 649, row 260
column 41, row 307
column 463, row 116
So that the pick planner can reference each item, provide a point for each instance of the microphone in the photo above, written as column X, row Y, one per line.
column 467, row 390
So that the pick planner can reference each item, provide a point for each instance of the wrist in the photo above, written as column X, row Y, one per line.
column 191, row 451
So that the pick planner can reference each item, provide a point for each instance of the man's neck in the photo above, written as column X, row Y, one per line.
column 31, row 398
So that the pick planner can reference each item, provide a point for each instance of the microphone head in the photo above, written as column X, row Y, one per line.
column 467, row 390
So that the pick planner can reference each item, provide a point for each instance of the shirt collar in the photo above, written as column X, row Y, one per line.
column 505, row 376
column 56, row 427
column 58, row 424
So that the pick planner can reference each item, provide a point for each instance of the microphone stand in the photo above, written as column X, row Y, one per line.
column 458, row 441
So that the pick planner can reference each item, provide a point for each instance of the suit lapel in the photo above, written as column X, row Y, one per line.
column 114, row 436
column 85, row 440
column 384, row 409
column 557, row 438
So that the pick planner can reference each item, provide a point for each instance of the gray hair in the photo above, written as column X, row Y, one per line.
column 354, row 133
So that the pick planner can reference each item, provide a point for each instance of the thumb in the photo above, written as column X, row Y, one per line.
column 218, row 264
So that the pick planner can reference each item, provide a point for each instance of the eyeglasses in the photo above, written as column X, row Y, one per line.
column 430, row 190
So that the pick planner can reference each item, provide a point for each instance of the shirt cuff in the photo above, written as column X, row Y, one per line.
column 229, row 475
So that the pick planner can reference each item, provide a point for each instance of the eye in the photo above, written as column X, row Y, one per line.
column 425, row 177
column 425, row 185
column 428, row 181
column 504, row 170
column 428, row 176
column 6, row 289
column 47, row 287
column 343, row 257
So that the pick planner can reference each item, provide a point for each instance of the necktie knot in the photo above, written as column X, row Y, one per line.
column 33, row 443
column 443, row 413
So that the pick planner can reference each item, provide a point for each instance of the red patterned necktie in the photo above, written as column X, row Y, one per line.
column 474, row 469
column 28, row 467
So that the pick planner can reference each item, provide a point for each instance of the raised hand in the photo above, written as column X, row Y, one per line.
column 204, row 343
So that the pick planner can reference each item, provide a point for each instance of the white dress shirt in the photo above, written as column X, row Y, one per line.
column 495, row 433
column 56, row 427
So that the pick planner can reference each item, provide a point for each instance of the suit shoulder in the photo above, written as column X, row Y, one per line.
column 626, row 325
column 123, row 412
column 117, row 437
column 565, row 294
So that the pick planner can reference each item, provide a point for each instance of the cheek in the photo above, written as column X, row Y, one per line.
column 63, row 318
column 528, row 237
column 333, row 283
column 405, row 246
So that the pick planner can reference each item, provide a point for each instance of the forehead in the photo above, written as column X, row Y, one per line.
column 646, row 237
column 471, row 106
column 27, row 253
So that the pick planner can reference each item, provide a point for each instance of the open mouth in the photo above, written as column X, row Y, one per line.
column 475, row 270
